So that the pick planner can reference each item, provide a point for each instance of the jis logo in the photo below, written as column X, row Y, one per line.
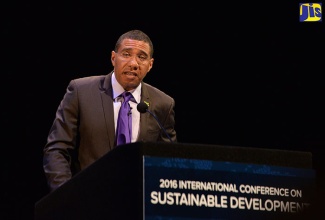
column 310, row 12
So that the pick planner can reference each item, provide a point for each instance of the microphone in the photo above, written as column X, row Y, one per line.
column 130, row 112
column 143, row 108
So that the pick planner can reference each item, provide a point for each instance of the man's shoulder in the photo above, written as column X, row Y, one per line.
column 154, row 91
column 92, row 82
column 89, row 79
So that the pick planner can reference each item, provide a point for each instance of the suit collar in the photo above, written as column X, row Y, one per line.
column 107, row 103
column 107, row 99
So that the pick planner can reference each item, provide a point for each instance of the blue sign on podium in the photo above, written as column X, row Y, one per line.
column 192, row 189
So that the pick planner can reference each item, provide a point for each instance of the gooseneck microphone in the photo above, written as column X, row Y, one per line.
column 143, row 108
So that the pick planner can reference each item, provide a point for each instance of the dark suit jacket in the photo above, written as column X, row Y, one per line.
column 83, row 129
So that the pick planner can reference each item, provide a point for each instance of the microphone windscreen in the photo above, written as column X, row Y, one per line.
column 142, row 107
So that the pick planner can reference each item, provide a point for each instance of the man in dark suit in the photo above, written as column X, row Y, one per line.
column 84, row 128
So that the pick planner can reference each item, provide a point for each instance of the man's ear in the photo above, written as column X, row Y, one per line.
column 113, row 57
column 151, row 64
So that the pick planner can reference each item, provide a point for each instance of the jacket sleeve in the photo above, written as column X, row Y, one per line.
column 169, row 123
column 62, row 140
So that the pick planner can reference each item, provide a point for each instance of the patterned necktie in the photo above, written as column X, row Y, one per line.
column 124, row 121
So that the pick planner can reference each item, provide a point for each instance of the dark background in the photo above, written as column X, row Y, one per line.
column 242, row 74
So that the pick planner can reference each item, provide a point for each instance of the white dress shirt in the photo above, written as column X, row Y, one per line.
column 118, row 90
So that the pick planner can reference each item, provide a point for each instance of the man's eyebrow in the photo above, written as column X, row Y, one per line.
column 140, row 51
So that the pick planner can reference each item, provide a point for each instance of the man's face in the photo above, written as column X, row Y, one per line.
column 131, row 63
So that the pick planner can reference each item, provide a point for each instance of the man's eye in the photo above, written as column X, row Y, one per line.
column 142, row 57
column 125, row 54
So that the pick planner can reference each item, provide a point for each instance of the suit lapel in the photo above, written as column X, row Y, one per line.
column 144, row 117
column 107, row 102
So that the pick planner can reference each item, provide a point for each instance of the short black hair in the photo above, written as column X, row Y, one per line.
column 135, row 35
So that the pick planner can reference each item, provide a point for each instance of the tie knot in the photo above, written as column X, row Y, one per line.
column 126, row 96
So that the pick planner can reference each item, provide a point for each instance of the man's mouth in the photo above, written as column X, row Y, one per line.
column 131, row 74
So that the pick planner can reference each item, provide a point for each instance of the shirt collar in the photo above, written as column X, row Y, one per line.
column 118, row 90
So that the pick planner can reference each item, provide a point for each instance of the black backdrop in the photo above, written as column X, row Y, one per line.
column 242, row 74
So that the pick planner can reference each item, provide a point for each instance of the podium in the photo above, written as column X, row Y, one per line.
column 186, row 181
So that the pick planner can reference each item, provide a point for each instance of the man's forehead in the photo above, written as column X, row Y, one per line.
column 135, row 44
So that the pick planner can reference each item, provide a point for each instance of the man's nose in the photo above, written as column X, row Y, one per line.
column 134, row 61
